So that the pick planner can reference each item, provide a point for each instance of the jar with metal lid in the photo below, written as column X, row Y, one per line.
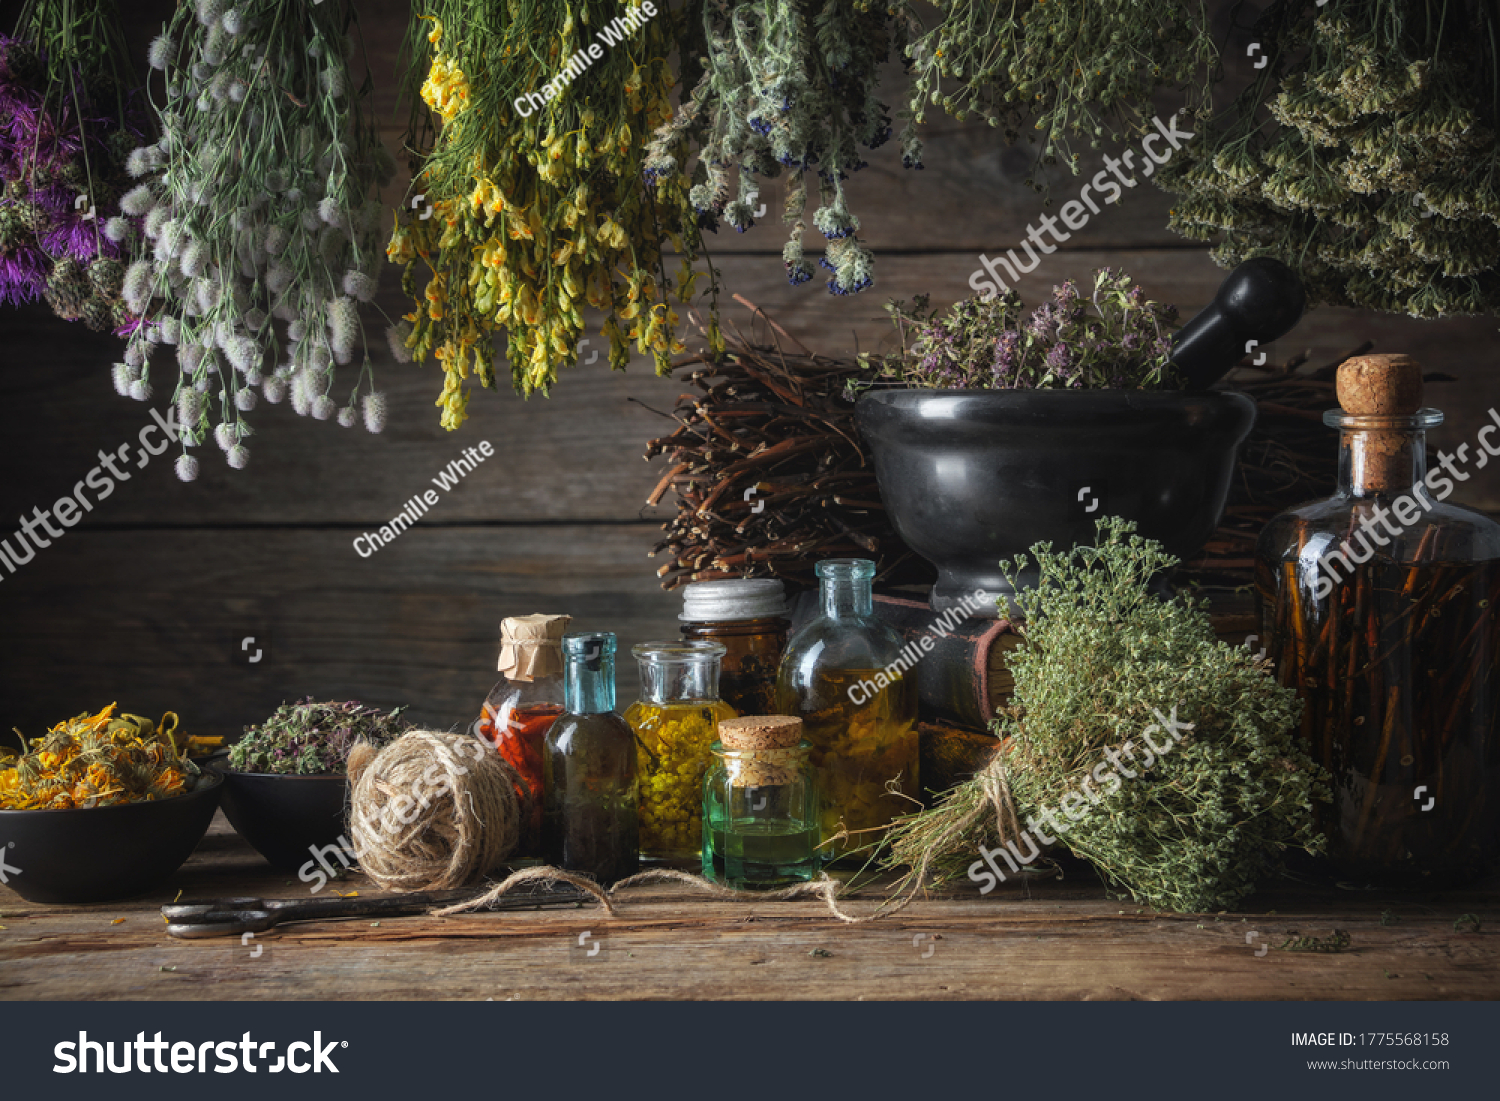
column 749, row 618
column 760, row 805
column 674, row 723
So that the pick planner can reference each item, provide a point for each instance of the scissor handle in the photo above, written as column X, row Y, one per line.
column 222, row 923
column 197, row 907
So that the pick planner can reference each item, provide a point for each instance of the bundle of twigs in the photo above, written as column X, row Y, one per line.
column 1290, row 458
column 770, row 472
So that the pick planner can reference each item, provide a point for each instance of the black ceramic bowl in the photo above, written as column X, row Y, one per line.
column 286, row 817
column 974, row 476
column 98, row 854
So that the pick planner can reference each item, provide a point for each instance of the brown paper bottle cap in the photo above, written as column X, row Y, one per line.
column 531, row 646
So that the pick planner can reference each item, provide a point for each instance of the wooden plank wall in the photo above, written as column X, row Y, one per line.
column 149, row 599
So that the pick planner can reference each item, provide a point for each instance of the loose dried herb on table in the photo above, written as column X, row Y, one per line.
column 1105, row 660
column 314, row 739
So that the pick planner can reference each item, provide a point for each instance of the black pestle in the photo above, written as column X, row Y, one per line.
column 1260, row 301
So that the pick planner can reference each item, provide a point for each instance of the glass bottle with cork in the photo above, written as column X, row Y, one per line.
column 1378, row 606
column 761, row 825
column 674, row 723
column 749, row 617
column 590, row 820
column 521, row 708
column 860, row 719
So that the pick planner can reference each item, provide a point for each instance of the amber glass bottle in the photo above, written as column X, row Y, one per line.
column 1378, row 606
column 749, row 618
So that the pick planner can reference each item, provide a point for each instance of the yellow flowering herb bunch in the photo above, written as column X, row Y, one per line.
column 528, row 202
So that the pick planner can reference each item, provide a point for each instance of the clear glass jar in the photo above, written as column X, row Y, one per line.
column 749, row 618
column 761, row 826
column 1378, row 606
column 842, row 675
column 521, row 708
column 675, row 722
column 590, row 818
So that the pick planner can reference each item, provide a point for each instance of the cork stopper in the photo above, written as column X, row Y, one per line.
column 1380, row 457
column 760, row 732
column 1380, row 386
column 531, row 646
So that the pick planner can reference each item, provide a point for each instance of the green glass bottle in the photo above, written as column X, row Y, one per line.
column 590, row 821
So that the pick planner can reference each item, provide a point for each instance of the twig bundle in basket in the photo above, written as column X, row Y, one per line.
column 770, row 472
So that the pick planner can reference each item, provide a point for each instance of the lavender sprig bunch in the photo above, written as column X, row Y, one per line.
column 69, row 121
column 1115, row 339
column 314, row 739
column 261, row 206
column 788, row 84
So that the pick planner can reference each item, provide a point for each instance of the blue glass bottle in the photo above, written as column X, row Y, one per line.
column 590, row 822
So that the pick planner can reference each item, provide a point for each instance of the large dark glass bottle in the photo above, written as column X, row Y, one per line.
column 1379, row 606
column 589, row 819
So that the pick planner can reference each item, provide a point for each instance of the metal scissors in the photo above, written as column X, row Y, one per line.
column 223, row 917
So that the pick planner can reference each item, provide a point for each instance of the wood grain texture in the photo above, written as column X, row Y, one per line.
column 156, row 620
column 1058, row 941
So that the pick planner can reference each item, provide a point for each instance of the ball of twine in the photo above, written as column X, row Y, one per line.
column 432, row 810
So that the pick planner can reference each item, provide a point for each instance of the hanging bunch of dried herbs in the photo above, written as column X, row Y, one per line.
column 1365, row 156
column 260, row 204
column 1110, row 673
column 70, row 121
column 787, row 84
column 527, row 202
column 1057, row 71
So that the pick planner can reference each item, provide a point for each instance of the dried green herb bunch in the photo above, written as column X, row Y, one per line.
column 1365, row 156
column 1058, row 71
column 314, row 739
column 788, row 84
column 1108, row 673
column 1123, row 342
column 261, row 205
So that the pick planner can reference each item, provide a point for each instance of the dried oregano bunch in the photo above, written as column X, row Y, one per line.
column 261, row 204
column 1365, row 156
column 1055, row 71
column 531, row 201
column 1106, row 663
column 314, row 739
column 1123, row 342
column 788, row 84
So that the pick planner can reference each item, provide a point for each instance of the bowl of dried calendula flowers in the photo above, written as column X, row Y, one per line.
column 101, row 807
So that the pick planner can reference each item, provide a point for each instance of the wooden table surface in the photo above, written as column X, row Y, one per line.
column 1044, row 940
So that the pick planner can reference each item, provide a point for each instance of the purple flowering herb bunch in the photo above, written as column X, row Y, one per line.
column 70, row 122
column 786, row 88
column 1114, row 339
column 314, row 739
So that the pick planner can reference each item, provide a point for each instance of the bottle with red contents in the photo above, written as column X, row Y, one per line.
column 521, row 708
